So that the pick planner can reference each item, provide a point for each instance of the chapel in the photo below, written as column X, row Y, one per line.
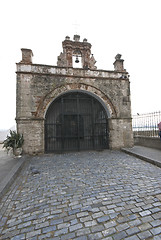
column 73, row 106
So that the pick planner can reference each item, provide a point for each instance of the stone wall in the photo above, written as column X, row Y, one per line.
column 120, row 133
column 39, row 85
column 152, row 142
column 33, row 132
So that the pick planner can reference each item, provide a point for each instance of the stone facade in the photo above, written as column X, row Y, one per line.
column 39, row 85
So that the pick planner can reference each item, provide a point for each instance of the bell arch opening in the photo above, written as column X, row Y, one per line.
column 77, row 59
column 76, row 121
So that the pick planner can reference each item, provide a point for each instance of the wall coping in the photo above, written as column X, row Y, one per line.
column 69, row 71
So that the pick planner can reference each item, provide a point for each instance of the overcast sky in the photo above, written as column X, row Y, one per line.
column 129, row 27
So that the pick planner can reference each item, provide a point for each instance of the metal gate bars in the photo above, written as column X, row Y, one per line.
column 76, row 121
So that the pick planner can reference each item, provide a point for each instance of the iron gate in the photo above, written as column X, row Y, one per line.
column 76, row 121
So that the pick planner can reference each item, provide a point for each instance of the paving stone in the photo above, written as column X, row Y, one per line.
column 145, row 234
column 90, row 223
column 110, row 224
column 125, row 213
column 73, row 222
column 155, row 210
column 147, row 219
column 81, row 238
column 44, row 236
column 95, row 210
column 68, row 236
column 132, row 217
column 98, row 195
column 145, row 213
column 156, row 230
column 77, row 206
column 144, row 226
column 27, row 229
column 121, row 219
column 156, row 223
column 132, row 238
column 85, row 219
column 74, row 211
column 103, row 219
column 97, row 215
column 48, row 229
column 33, row 238
column 19, row 237
column 132, row 231
column 25, row 224
column 56, row 221
column 147, row 206
column 63, row 225
column 97, row 228
column 8, row 230
column 136, row 210
column 61, row 232
column 68, row 218
column 82, row 214
column 14, row 223
column 158, row 237
column 9, row 221
column 113, row 215
column 11, row 234
column 83, row 231
column 157, row 215
column 75, row 227
column 135, row 223
column 108, row 238
column 95, row 236
column 33, row 233
column 120, row 235
column 122, row 227
column 156, row 204
column 109, row 231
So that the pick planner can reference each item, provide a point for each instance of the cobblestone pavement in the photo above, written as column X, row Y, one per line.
column 84, row 196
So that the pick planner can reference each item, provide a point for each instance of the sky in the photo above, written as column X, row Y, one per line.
column 129, row 27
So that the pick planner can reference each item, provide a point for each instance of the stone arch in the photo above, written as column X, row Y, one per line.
column 76, row 121
column 95, row 92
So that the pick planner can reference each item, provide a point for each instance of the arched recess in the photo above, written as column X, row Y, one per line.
column 93, row 91
column 76, row 120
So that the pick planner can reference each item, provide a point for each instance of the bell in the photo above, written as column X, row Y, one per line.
column 77, row 60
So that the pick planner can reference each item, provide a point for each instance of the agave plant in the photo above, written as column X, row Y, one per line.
column 13, row 141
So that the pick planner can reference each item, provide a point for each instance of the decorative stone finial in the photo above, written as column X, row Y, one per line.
column 118, row 56
column 76, row 38
column 67, row 38
column 85, row 40
column 27, row 55
column 119, row 63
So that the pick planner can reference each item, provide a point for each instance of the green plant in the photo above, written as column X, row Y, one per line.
column 13, row 141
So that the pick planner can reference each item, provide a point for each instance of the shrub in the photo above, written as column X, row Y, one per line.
column 13, row 141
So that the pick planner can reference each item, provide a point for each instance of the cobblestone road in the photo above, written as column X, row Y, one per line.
column 84, row 196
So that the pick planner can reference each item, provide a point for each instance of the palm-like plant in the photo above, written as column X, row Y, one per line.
column 13, row 141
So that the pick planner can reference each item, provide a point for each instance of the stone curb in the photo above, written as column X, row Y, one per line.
column 11, row 176
column 142, row 157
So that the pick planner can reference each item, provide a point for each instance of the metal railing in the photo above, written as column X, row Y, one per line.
column 146, row 124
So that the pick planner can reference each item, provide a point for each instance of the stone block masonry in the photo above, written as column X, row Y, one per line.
column 38, row 86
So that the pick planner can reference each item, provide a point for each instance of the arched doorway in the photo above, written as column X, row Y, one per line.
column 76, row 121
